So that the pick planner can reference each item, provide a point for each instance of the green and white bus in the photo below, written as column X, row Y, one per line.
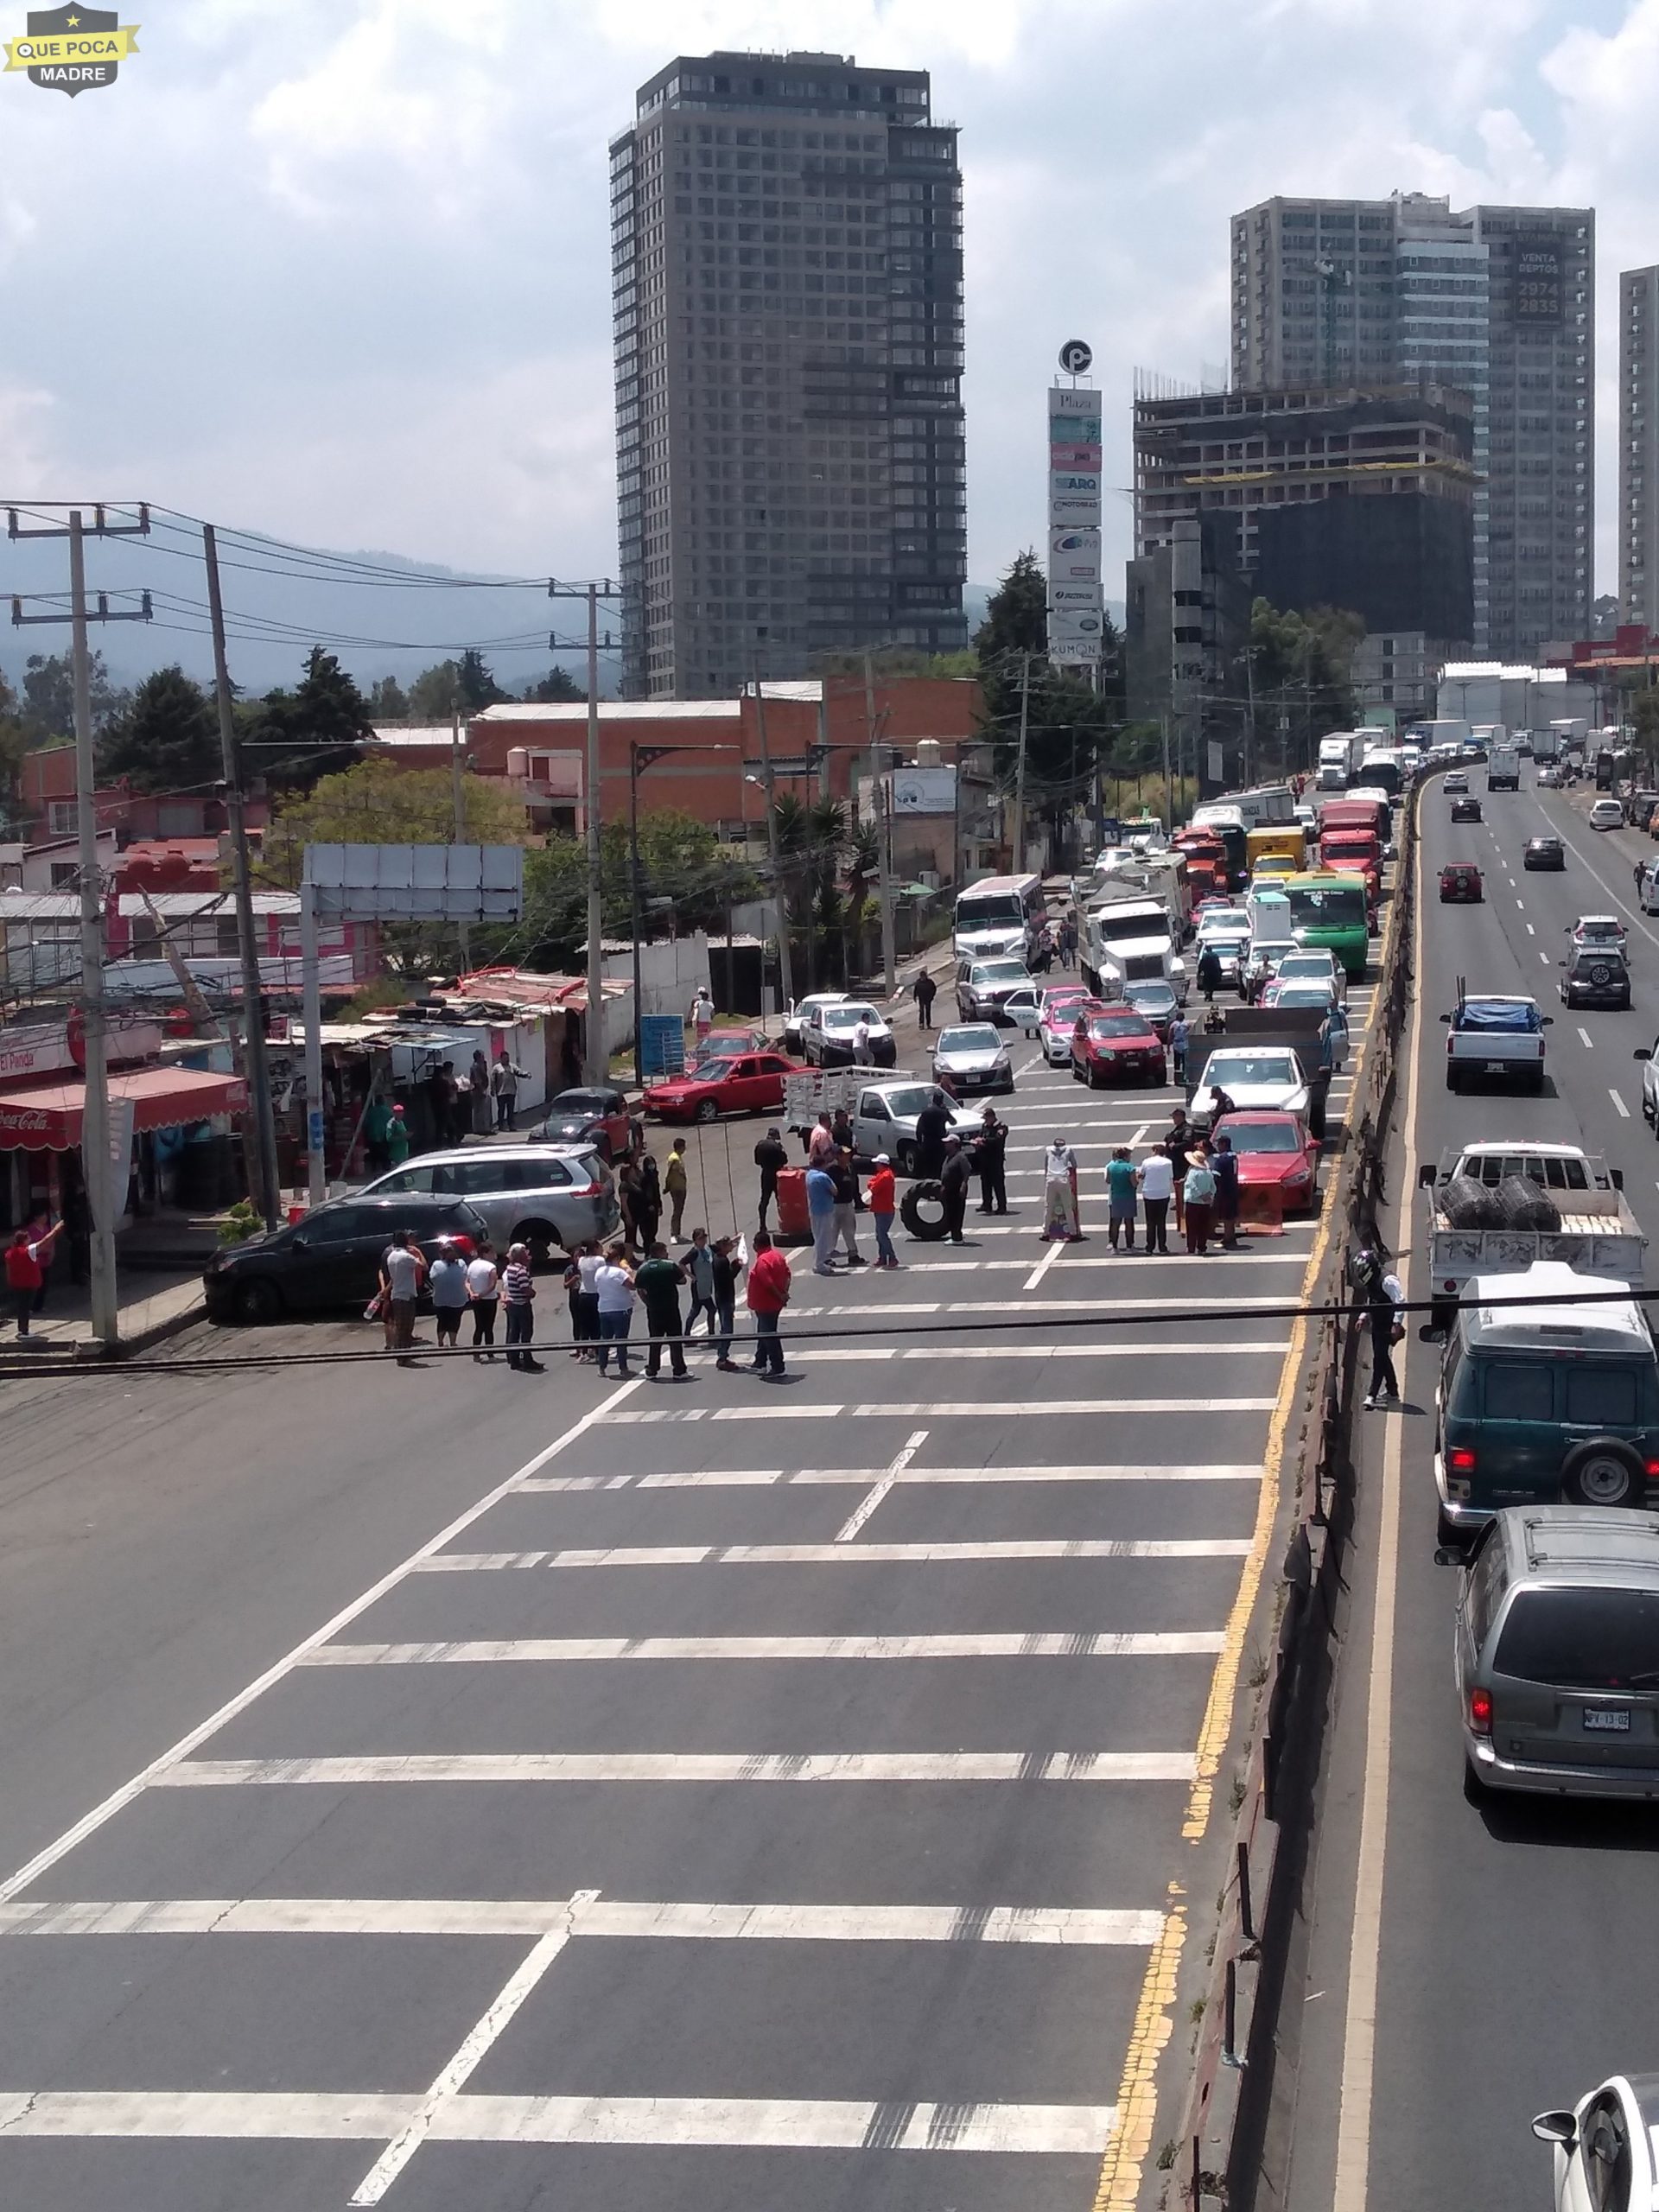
column 1329, row 911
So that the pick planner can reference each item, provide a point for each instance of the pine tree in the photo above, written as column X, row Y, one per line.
column 168, row 739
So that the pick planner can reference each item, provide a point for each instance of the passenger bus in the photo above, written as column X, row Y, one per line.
column 998, row 914
column 1330, row 910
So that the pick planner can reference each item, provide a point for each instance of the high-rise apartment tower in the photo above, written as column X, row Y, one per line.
column 1499, row 300
column 787, row 255
column 1638, row 446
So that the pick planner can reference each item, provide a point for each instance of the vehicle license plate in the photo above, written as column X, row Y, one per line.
column 1497, row 1067
column 1607, row 1716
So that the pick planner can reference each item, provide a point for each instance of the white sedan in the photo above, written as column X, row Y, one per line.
column 1606, row 814
column 1319, row 966
column 1607, row 2147
column 1263, row 1076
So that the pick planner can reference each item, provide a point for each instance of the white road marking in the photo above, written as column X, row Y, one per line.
column 679, row 2123
column 1043, row 1265
column 986, row 1409
column 1585, row 1038
column 119, row 1799
column 1530, row 930
column 1133, row 1263
column 1621, row 1109
column 1520, row 903
column 1047, row 1306
column 762, row 1478
column 683, row 1766
column 1139, row 1134
column 539, row 1650
column 837, row 1554
column 1063, row 1926
column 1199, row 1349
column 1544, row 956
column 470, row 2055
column 851, row 1525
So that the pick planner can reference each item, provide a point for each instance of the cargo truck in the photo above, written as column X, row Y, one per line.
column 1504, row 767
column 1496, row 1206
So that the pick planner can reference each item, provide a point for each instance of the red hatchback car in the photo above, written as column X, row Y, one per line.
column 1115, row 1044
column 750, row 1082
column 1274, row 1149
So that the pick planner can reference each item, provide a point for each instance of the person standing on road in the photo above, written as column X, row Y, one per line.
column 1120, row 1198
column 659, row 1284
column 701, row 1016
column 1156, row 1179
column 926, row 991
column 821, row 1214
column 675, row 1187
column 377, row 1129
column 518, row 1292
column 771, row 1157
column 726, row 1272
column 614, row 1281
column 1223, row 1166
column 402, row 1265
column 840, row 1173
column 1209, row 975
column 648, row 1203
column 1200, row 1199
column 447, row 1279
column 1179, row 1139
column 769, row 1287
column 932, row 1126
column 628, row 1193
column 505, row 1079
column 1060, row 1194
column 1382, row 1291
column 698, row 1264
column 477, row 1093
column 882, row 1200
column 397, row 1138
column 26, row 1259
column 821, row 1147
column 863, row 1056
column 990, row 1162
column 484, row 1296
column 1179, row 1034
column 589, row 1260
column 953, row 1185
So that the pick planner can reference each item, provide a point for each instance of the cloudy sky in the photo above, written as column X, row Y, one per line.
column 337, row 270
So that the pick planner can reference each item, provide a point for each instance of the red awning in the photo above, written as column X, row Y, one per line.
column 47, row 1116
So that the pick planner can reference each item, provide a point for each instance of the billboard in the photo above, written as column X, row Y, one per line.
column 1067, row 399
column 1074, row 496
column 1074, row 557
column 1537, row 292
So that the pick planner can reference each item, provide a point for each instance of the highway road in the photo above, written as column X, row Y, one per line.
column 445, row 1787
column 1467, row 1966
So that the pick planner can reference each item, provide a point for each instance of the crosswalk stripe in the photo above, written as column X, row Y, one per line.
column 681, row 1766
column 1061, row 1926
column 985, row 1409
column 933, row 1554
column 759, row 1478
column 1145, row 1643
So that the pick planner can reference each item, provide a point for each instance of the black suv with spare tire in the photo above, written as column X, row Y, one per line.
column 1595, row 976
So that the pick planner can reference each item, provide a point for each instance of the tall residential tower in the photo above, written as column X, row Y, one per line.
column 1344, row 294
column 1638, row 446
column 787, row 255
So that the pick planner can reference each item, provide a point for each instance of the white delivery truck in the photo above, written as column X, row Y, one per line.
column 1497, row 1206
column 1504, row 767
column 1130, row 941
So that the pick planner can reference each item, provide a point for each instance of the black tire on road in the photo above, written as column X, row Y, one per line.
column 905, row 1161
column 708, row 1109
column 922, row 1211
column 257, row 1301
column 1602, row 1471
column 544, row 1241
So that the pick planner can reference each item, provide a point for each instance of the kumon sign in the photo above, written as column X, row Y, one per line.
column 73, row 49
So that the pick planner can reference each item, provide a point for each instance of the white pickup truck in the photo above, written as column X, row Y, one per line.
column 1479, row 1222
column 1494, row 1039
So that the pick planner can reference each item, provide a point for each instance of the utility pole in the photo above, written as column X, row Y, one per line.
column 1019, row 840
column 596, row 1060
column 785, row 971
column 884, row 798
column 458, row 799
column 635, row 919
column 265, row 1188
column 104, row 1201
column 1169, row 788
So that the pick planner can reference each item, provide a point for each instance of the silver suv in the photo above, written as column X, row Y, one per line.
column 543, row 1195
column 984, row 986
column 1556, row 1652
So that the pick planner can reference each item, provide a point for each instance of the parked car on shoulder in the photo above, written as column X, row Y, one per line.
column 597, row 1116
column 549, row 1196
column 724, row 1044
column 1547, row 853
column 1607, row 814
column 330, row 1259
column 975, row 1056
column 747, row 1083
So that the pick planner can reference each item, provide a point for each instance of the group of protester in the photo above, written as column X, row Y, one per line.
column 1195, row 1176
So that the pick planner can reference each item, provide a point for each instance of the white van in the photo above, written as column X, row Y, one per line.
column 998, row 914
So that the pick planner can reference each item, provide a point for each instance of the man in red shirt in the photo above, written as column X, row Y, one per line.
column 882, row 1200
column 25, row 1272
column 768, row 1294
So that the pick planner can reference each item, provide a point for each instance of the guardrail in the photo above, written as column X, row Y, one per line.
column 1224, row 2114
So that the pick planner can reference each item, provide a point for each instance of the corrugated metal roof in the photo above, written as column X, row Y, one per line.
column 215, row 903
column 39, row 906
column 622, row 710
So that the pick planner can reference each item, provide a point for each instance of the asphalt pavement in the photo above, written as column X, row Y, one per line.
column 1466, row 1966
column 741, row 1793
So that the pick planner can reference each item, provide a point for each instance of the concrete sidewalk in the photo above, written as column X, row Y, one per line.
column 150, row 1306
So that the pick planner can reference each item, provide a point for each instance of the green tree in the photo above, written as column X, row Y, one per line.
column 388, row 701
column 1301, row 677
column 558, row 687
column 683, row 868
column 1069, row 724
column 167, row 739
column 466, row 684
column 48, row 708
column 14, row 744
column 299, row 736
column 1642, row 713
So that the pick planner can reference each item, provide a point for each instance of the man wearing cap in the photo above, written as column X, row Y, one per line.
column 882, row 1198
column 953, row 1185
